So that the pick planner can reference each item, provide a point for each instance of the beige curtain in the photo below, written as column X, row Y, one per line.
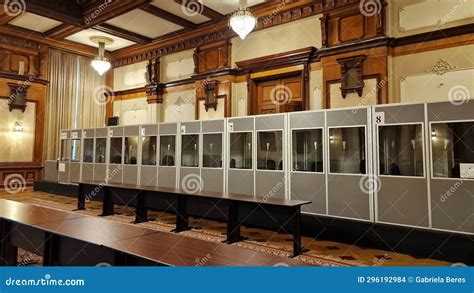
column 72, row 83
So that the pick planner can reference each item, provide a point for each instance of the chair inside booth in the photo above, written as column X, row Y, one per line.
column 347, row 150
column 270, row 150
column 401, row 150
column 190, row 150
column 240, row 150
column 212, row 150
column 307, row 148
column 167, row 150
column 149, row 144
column 116, row 150
column 88, row 150
column 100, row 145
column 453, row 149
column 131, row 150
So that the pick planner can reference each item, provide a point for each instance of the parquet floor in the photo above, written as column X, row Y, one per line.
column 321, row 252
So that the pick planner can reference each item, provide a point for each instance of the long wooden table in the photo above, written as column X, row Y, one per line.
column 65, row 238
column 142, row 194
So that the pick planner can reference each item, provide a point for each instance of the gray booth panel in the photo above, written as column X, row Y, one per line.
column 452, row 204
column 346, row 199
column 403, row 201
column 446, row 111
column 116, row 131
column 131, row 131
column 88, row 133
column 312, row 187
column 150, row 130
column 115, row 173
column 349, row 117
column 101, row 132
column 130, row 174
column 149, row 175
column 270, row 122
column 75, row 172
column 50, row 172
column 100, row 172
column 213, row 180
column 213, row 126
column 270, row 184
column 241, row 181
column 167, row 176
column 168, row 129
column 190, row 127
column 307, row 120
column 241, row 124
column 63, row 176
column 87, row 172
column 189, row 179
column 402, row 113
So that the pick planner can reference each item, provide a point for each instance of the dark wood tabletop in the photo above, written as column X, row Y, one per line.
column 207, row 194
column 31, row 214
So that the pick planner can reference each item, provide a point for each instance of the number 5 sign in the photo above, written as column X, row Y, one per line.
column 379, row 118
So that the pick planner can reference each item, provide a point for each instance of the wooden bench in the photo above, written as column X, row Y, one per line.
column 65, row 238
column 143, row 192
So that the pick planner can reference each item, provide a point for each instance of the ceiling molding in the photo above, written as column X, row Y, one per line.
column 5, row 18
column 62, row 31
column 198, row 7
column 153, row 10
column 121, row 33
column 103, row 11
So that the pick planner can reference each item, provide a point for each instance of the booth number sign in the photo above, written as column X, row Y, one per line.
column 379, row 118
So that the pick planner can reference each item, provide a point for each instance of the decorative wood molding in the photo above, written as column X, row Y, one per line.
column 62, row 31
column 352, row 74
column 124, row 34
column 433, row 35
column 168, row 16
column 199, row 8
column 441, row 67
column 17, row 99
column 212, row 57
column 154, row 89
column 210, row 89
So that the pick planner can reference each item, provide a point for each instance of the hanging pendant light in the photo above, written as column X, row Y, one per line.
column 101, row 64
column 242, row 21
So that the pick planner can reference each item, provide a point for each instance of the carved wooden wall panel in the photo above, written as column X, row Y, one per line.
column 212, row 57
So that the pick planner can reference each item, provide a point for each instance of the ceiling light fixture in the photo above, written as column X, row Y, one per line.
column 242, row 21
column 101, row 63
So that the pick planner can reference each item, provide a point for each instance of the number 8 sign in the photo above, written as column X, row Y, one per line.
column 379, row 118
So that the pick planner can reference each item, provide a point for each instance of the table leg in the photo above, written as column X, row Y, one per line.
column 233, row 225
column 8, row 252
column 81, row 198
column 182, row 218
column 297, row 248
column 107, row 203
column 49, row 253
column 141, row 210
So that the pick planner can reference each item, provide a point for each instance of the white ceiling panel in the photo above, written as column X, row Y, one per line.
column 34, row 22
column 83, row 38
column 143, row 23
column 228, row 6
column 177, row 9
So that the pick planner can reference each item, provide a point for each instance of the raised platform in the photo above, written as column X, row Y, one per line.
column 416, row 242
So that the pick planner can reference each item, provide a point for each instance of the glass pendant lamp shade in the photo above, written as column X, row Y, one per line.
column 242, row 22
column 101, row 64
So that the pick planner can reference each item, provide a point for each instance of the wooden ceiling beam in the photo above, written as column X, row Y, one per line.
column 198, row 7
column 168, row 16
column 121, row 33
column 103, row 11
column 62, row 31
column 5, row 18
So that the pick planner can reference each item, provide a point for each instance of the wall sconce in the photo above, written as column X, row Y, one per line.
column 18, row 128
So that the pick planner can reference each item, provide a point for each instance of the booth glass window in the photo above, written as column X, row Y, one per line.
column 88, row 150
column 75, row 150
column 347, row 150
column 452, row 147
column 116, row 150
column 190, row 150
column 100, row 144
column 307, row 148
column 131, row 150
column 212, row 150
column 270, row 150
column 401, row 150
column 149, row 150
column 167, row 150
column 65, row 150
column 240, row 150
